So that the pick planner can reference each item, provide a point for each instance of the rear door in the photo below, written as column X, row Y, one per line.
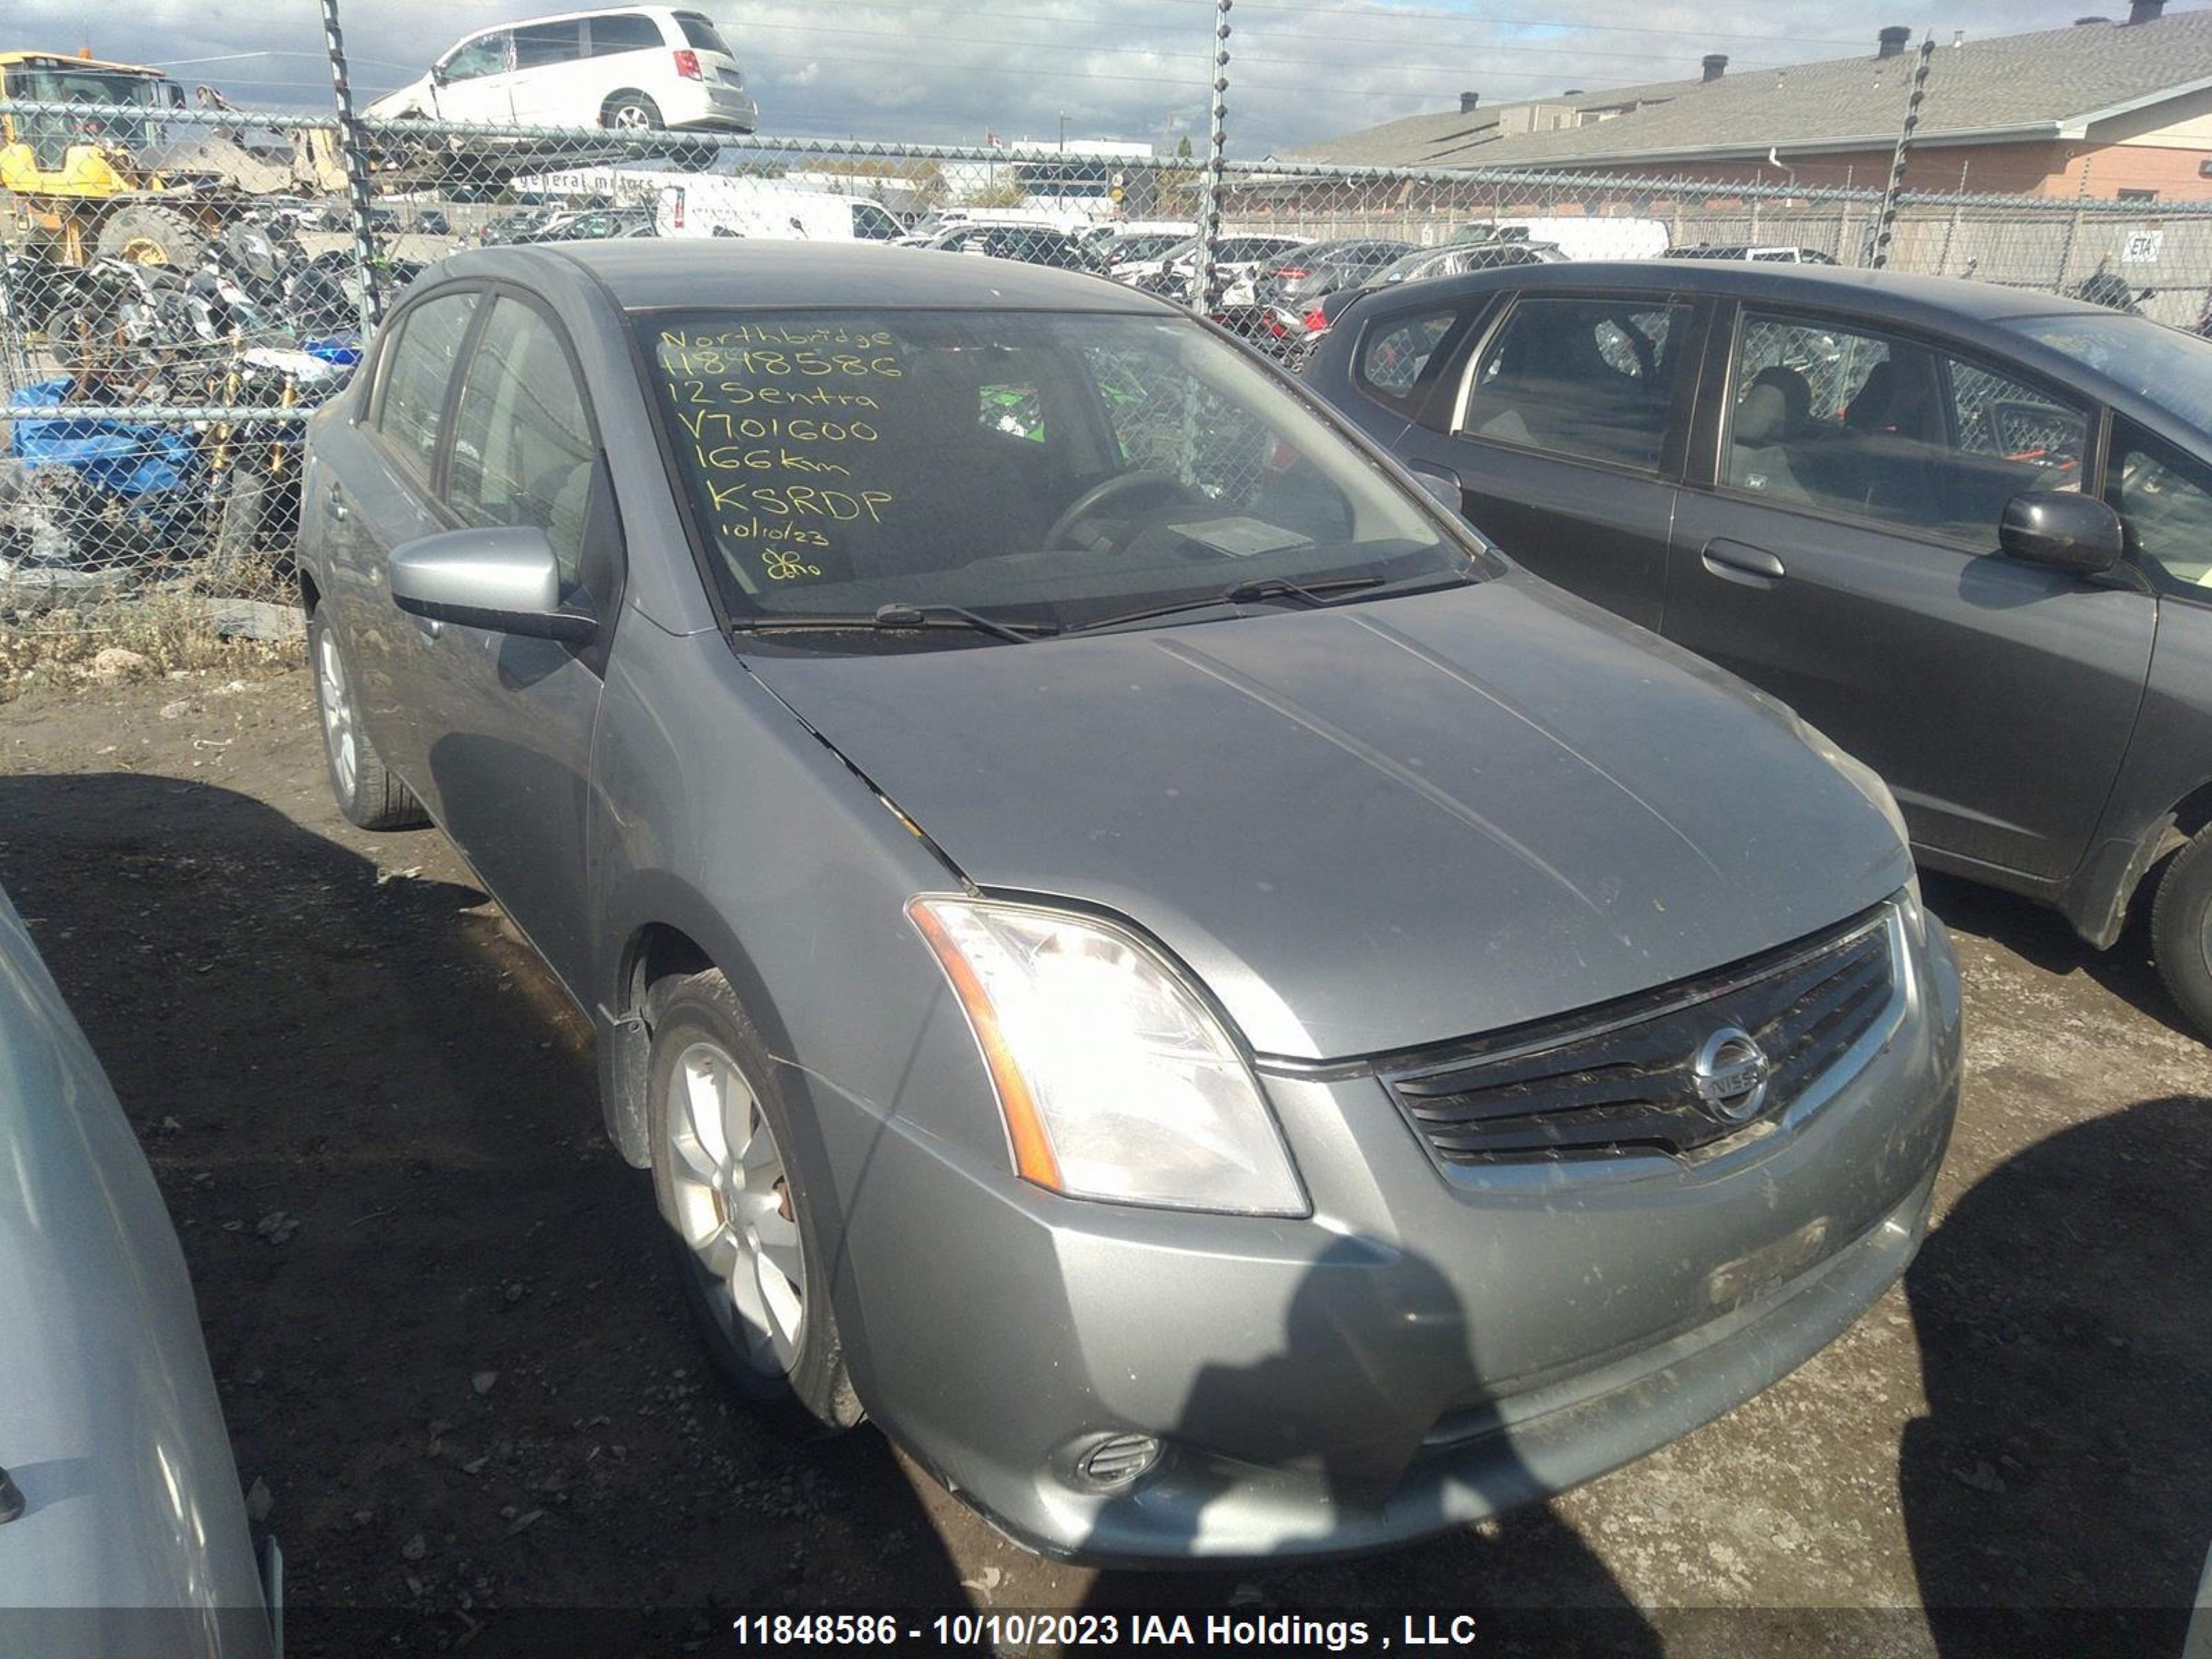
column 1563, row 426
column 626, row 54
column 508, row 720
column 1839, row 550
column 374, row 481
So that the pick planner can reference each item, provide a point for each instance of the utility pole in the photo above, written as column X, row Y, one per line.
column 1885, row 224
column 1204, row 278
column 355, row 154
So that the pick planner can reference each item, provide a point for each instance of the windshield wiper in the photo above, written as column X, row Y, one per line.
column 1251, row 592
column 895, row 617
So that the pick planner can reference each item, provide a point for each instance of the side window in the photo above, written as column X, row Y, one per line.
column 418, row 369
column 873, row 224
column 1394, row 354
column 1880, row 427
column 2165, row 499
column 539, row 46
column 624, row 31
column 485, row 55
column 522, row 448
column 1593, row 379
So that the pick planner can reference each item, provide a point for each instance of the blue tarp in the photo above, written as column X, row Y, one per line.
column 121, row 456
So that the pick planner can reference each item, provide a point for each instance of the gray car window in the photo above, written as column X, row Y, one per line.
column 1588, row 377
column 2164, row 497
column 417, row 372
column 1394, row 354
column 522, row 446
column 1847, row 420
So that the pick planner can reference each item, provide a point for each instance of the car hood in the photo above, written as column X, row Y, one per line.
column 1375, row 826
column 400, row 101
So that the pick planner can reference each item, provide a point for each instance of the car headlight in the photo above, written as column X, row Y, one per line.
column 1115, row 1081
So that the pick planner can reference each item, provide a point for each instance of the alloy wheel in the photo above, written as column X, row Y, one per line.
column 337, row 712
column 734, row 1208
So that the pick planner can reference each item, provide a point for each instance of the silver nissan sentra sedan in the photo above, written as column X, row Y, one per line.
column 1141, row 954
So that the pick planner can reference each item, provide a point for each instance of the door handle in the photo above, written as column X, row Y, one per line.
column 1740, row 562
column 334, row 502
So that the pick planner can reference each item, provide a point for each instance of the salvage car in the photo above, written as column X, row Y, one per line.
column 1966, row 529
column 123, row 1533
column 1141, row 954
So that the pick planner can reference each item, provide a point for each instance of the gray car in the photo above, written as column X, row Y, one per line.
column 1141, row 954
column 1966, row 529
column 122, row 1535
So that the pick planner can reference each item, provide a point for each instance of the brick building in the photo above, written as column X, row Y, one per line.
column 2112, row 109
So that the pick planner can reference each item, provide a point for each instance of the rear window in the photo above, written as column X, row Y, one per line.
column 701, row 35
column 626, row 31
column 1396, row 355
column 419, row 367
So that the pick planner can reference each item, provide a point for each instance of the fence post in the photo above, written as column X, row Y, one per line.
column 2073, row 230
column 1204, row 277
column 354, row 155
column 1886, row 225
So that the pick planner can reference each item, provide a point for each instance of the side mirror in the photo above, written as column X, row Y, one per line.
column 503, row 578
column 1442, row 484
column 2063, row 529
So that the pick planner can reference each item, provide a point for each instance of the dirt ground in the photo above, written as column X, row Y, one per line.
column 448, row 1347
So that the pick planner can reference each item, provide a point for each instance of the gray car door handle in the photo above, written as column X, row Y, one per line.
column 1739, row 561
column 334, row 502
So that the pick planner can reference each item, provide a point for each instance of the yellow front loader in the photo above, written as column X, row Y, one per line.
column 80, row 187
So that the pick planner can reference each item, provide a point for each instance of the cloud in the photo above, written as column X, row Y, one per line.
column 1300, row 70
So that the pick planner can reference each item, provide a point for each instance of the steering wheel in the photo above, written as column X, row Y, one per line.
column 1113, row 489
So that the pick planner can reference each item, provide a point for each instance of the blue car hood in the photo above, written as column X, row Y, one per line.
column 1374, row 826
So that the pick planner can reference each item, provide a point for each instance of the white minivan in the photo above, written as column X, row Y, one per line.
column 639, row 68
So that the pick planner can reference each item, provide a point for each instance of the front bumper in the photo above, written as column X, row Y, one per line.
column 1421, row 1353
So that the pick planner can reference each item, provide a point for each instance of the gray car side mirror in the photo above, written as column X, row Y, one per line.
column 1441, row 484
column 503, row 577
column 2063, row 529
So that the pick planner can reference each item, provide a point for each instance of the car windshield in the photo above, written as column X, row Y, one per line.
column 2163, row 366
column 1053, row 469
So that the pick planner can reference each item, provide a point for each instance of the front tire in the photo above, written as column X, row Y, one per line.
column 367, row 792
column 734, row 1184
column 2181, row 931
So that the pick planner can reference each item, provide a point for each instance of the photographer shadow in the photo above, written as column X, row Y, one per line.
column 2059, row 1493
column 1526, row 1576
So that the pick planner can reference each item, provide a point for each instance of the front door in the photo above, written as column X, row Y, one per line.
column 509, row 720
column 1844, row 558
column 1562, row 435
column 476, row 83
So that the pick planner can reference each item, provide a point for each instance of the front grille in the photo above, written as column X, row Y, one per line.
column 1610, row 1081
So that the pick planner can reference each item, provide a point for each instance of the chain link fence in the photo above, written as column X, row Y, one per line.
column 164, row 335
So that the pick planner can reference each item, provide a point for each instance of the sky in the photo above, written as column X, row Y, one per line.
column 1300, row 71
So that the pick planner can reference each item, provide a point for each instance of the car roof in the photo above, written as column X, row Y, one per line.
column 1888, row 295
column 738, row 271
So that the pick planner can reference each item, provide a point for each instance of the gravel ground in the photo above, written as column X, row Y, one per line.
column 438, row 1310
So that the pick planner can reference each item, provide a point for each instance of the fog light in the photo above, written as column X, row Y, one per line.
column 1116, row 1461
